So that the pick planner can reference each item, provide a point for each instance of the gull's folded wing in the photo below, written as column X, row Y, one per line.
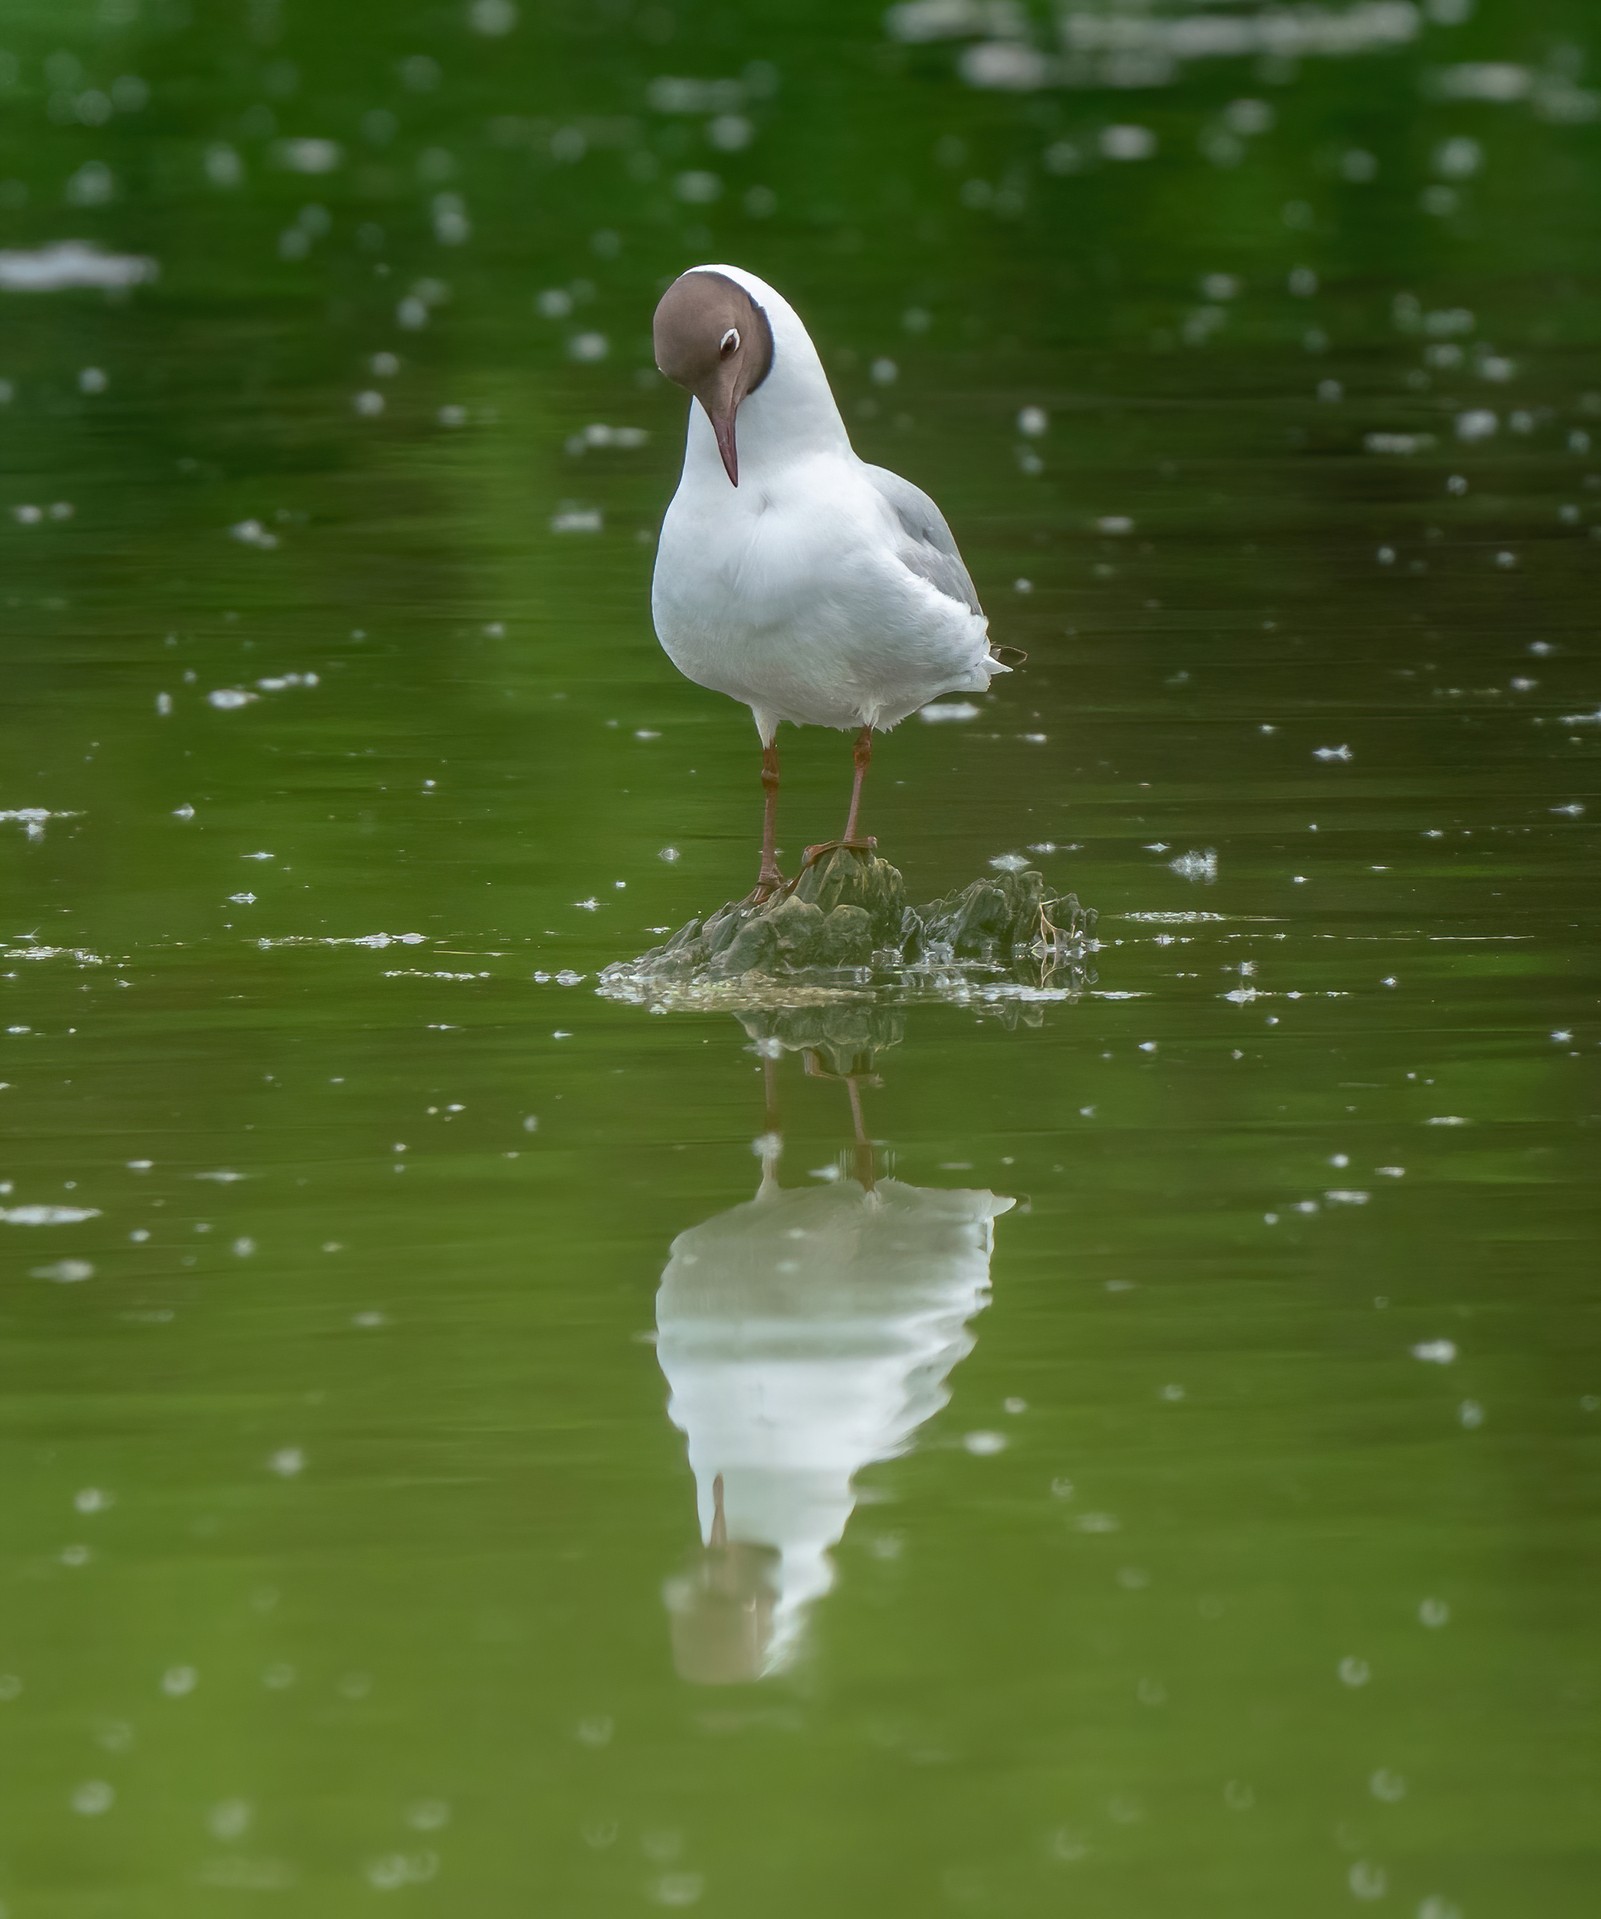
column 928, row 547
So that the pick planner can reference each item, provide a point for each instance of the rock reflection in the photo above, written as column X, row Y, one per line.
column 804, row 1335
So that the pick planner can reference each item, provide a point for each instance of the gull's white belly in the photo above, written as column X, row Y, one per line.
column 798, row 607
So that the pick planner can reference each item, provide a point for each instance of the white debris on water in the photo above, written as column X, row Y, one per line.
column 1127, row 143
column 308, row 155
column 66, row 1272
column 577, row 519
column 1332, row 753
column 253, row 533
column 1478, row 423
column 1435, row 1352
column 1497, row 80
column 1200, row 866
column 422, row 972
column 493, row 18
column 698, row 187
column 33, row 819
column 671, row 93
column 1006, row 66
column 47, row 1215
column 360, row 939
column 949, row 710
column 227, row 698
column 916, row 21
column 1397, row 443
column 1303, row 32
column 599, row 434
column 31, row 950
column 66, row 264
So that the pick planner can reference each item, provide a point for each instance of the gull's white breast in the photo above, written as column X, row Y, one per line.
column 788, row 593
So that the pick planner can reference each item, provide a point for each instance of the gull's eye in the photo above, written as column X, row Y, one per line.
column 729, row 342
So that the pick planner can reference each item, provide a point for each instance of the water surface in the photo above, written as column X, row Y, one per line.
column 1230, row 1319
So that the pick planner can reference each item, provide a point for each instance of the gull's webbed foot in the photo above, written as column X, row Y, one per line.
column 864, row 849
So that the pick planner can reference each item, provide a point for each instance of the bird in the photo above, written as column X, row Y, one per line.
column 790, row 574
column 804, row 1336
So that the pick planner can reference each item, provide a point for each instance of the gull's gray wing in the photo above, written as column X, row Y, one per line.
column 927, row 547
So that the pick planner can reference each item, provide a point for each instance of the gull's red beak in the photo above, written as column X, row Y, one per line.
column 723, row 427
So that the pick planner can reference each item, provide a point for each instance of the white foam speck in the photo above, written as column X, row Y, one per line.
column 309, row 155
column 66, row 1272
column 360, row 939
column 253, row 533
column 33, row 819
column 1127, row 142
column 1200, row 866
column 71, row 263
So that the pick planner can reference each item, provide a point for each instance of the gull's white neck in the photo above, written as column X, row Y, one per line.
column 791, row 415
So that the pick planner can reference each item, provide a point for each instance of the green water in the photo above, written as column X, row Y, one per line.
column 1239, row 1550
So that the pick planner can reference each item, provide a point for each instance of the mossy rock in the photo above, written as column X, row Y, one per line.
column 847, row 914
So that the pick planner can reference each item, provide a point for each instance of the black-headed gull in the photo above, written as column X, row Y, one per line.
column 790, row 574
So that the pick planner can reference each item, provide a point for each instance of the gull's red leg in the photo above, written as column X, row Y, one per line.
column 769, row 879
column 862, row 755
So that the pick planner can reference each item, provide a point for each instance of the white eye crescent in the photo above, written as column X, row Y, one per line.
column 730, row 341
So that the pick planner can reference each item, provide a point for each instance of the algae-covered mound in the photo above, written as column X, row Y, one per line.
column 847, row 915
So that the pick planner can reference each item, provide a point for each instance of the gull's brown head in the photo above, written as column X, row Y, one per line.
column 713, row 340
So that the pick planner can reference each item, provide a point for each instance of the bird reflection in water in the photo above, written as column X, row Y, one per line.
column 804, row 1335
